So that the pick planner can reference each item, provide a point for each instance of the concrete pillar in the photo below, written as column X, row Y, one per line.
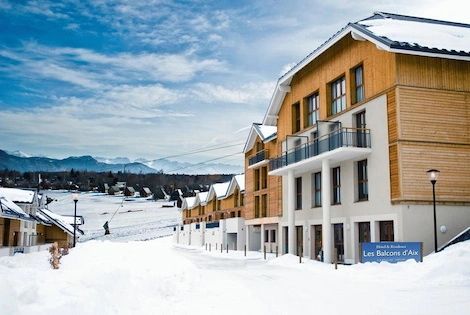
column 291, row 211
column 327, row 243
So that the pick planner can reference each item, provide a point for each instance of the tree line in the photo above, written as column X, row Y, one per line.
column 95, row 181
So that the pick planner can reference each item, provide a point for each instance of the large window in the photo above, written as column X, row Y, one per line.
column 316, row 183
column 364, row 232
column 361, row 132
column 338, row 95
column 257, row 179
column 358, row 84
column 296, row 117
column 313, row 107
column 362, row 180
column 336, row 185
column 298, row 193
column 264, row 205
column 386, row 231
column 264, row 177
column 257, row 207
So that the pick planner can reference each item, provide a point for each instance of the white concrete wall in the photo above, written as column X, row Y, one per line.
column 197, row 234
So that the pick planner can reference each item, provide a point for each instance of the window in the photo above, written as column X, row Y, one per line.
column 264, row 177
column 386, row 231
column 316, row 183
column 257, row 179
column 298, row 190
column 219, row 204
column 362, row 180
column 264, row 206
column 361, row 132
column 236, row 198
column 257, row 206
column 273, row 236
column 296, row 117
column 358, row 92
column 313, row 107
column 364, row 232
column 338, row 95
column 336, row 185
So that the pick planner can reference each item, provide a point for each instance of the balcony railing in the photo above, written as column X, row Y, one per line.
column 343, row 137
column 258, row 157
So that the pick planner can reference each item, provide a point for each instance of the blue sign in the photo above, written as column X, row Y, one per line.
column 391, row 251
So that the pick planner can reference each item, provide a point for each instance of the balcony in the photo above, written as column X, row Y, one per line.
column 339, row 145
column 258, row 157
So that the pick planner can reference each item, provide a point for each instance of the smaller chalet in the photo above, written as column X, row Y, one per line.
column 129, row 191
column 145, row 192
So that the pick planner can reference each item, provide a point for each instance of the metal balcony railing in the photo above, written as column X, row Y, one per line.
column 258, row 157
column 343, row 137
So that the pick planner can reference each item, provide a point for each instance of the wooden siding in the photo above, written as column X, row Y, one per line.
column 453, row 185
column 379, row 75
column 434, row 115
column 274, row 204
column 434, row 73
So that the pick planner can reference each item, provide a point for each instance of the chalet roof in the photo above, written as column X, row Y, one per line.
column 390, row 32
column 146, row 190
column 18, row 195
column 265, row 132
column 130, row 189
column 189, row 203
column 9, row 209
column 237, row 181
column 58, row 221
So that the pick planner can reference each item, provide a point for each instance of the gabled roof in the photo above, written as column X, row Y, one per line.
column 58, row 221
column 220, row 190
column 237, row 181
column 189, row 203
column 265, row 132
column 18, row 195
column 390, row 32
column 202, row 197
column 10, row 210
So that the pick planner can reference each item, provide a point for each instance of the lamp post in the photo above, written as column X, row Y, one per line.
column 75, row 200
column 433, row 175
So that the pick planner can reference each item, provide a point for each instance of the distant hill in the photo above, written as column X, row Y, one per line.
column 24, row 162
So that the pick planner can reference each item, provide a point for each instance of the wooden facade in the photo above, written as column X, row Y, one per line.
column 259, row 184
column 428, row 103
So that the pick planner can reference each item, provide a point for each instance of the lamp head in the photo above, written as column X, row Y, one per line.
column 75, row 196
column 433, row 175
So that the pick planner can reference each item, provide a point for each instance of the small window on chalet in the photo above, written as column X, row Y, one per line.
column 338, row 96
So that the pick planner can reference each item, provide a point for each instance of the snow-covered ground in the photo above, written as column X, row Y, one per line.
column 138, row 270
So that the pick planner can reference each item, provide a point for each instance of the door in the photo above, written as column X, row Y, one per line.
column 300, row 239
column 339, row 241
column 318, row 242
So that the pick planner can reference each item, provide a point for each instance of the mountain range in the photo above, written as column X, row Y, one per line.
column 23, row 162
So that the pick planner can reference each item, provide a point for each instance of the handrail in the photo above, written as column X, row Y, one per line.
column 342, row 137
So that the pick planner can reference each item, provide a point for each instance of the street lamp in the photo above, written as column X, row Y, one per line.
column 75, row 200
column 433, row 175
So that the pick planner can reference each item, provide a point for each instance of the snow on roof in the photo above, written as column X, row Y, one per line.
column 10, row 209
column 240, row 181
column 18, row 195
column 203, row 196
column 189, row 202
column 421, row 33
column 266, row 132
column 220, row 189
column 59, row 221
column 390, row 32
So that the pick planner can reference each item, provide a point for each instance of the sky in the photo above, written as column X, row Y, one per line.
column 154, row 79
column 138, row 269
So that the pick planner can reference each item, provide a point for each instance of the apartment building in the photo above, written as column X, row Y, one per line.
column 358, row 123
column 342, row 154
